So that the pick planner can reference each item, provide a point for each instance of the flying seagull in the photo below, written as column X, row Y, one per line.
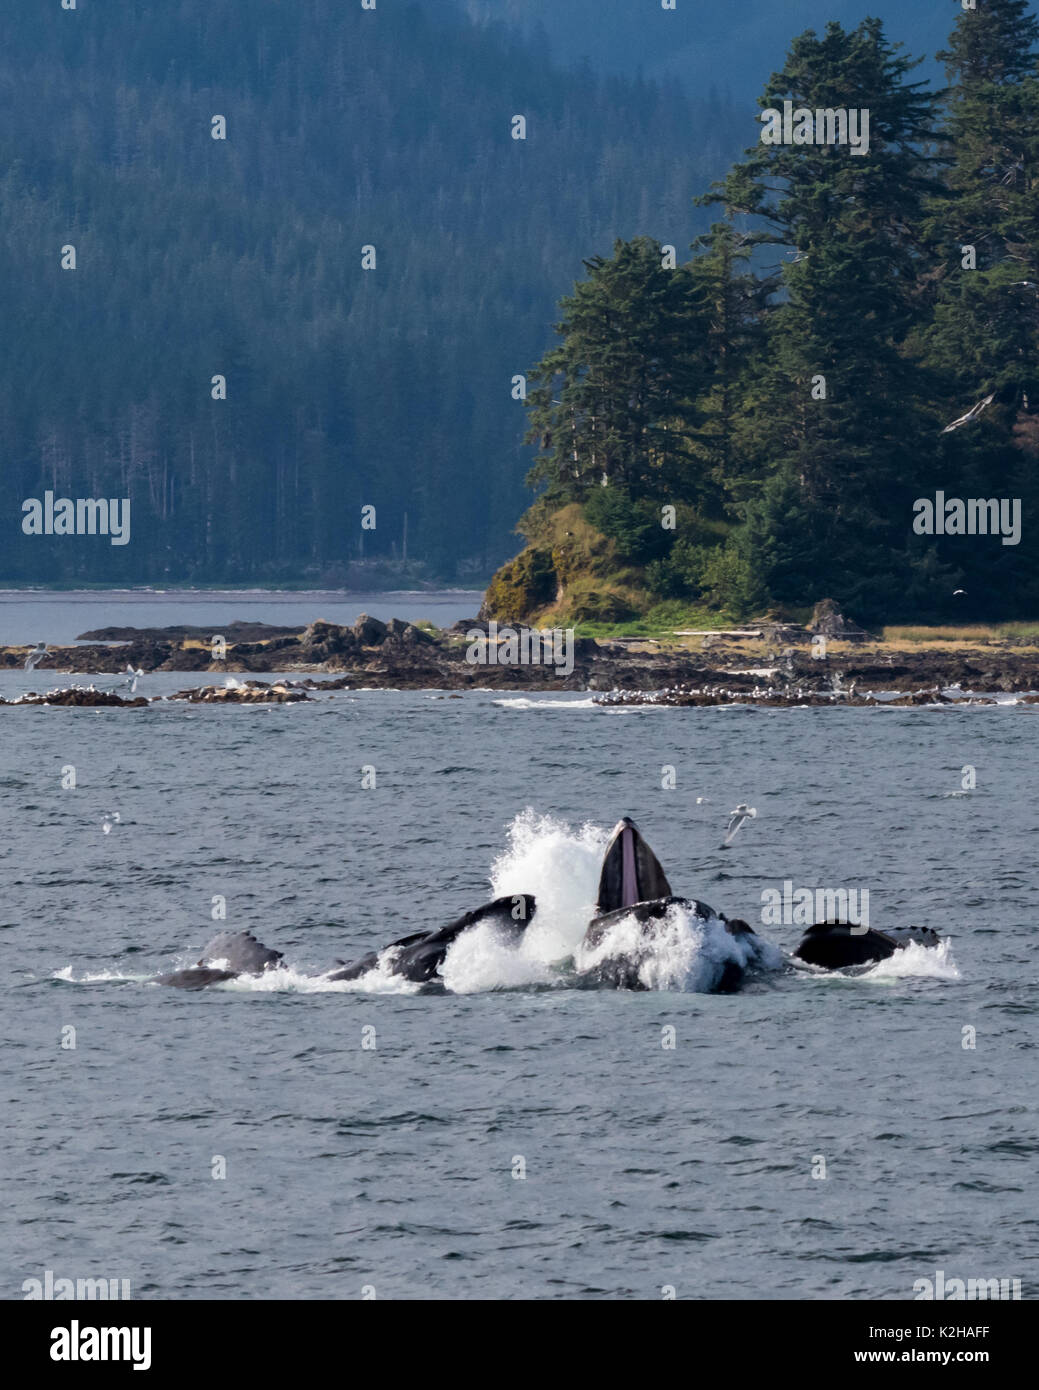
column 971, row 414
column 132, row 677
column 742, row 813
column 36, row 656
column 958, row 591
column 111, row 818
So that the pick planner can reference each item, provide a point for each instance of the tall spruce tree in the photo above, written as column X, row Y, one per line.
column 613, row 399
column 984, row 338
column 987, row 225
column 838, row 422
column 734, row 301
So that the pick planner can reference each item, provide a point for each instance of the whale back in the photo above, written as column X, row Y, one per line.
column 197, row 978
column 242, row 952
column 631, row 872
column 835, row 945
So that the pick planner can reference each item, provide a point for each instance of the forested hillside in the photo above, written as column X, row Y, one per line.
column 838, row 395
column 242, row 258
column 730, row 45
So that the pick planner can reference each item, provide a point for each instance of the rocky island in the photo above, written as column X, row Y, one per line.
column 827, row 662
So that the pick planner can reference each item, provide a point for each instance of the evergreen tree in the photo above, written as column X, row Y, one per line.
column 840, row 418
column 611, row 400
column 987, row 224
column 983, row 341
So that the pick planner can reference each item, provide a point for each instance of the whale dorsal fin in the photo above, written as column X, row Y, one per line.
column 631, row 872
column 243, row 953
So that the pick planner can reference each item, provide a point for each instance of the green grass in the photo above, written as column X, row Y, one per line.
column 979, row 632
column 660, row 622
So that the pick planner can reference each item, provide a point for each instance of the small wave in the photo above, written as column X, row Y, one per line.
column 525, row 702
column 98, row 977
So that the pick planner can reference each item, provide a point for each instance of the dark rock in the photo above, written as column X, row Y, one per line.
column 253, row 693
column 328, row 638
column 829, row 621
column 369, row 632
column 277, row 644
column 76, row 695
column 235, row 632
column 786, row 634
column 921, row 697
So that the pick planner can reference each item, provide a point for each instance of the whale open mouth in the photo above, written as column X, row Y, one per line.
column 631, row 872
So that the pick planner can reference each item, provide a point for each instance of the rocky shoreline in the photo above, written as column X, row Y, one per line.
column 777, row 665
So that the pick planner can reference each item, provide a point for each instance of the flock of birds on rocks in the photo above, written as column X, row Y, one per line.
column 130, row 676
column 712, row 695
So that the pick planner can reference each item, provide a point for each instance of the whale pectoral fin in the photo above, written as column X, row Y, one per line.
column 421, row 961
column 420, row 956
column 513, row 913
column 197, row 978
column 243, row 953
column 834, row 945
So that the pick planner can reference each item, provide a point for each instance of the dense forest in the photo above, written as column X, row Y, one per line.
column 759, row 425
column 731, row 45
column 241, row 258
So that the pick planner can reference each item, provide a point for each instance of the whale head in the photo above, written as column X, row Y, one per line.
column 631, row 872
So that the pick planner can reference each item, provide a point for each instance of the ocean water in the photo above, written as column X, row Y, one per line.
column 59, row 618
column 515, row 1137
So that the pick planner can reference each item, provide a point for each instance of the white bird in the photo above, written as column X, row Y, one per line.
column 958, row 591
column 36, row 656
column 111, row 818
column 702, row 800
column 971, row 414
column 742, row 813
column 130, row 683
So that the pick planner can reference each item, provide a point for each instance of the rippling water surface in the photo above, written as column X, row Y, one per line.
column 393, row 1165
column 43, row 615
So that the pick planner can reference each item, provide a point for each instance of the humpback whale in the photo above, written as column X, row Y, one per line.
column 417, row 957
column 225, row 958
column 629, row 943
column 835, row 945
column 632, row 884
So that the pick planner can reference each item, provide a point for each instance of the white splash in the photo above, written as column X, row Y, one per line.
column 482, row 960
column 684, row 952
column 917, row 961
column 288, row 980
column 561, row 868
column 97, row 977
